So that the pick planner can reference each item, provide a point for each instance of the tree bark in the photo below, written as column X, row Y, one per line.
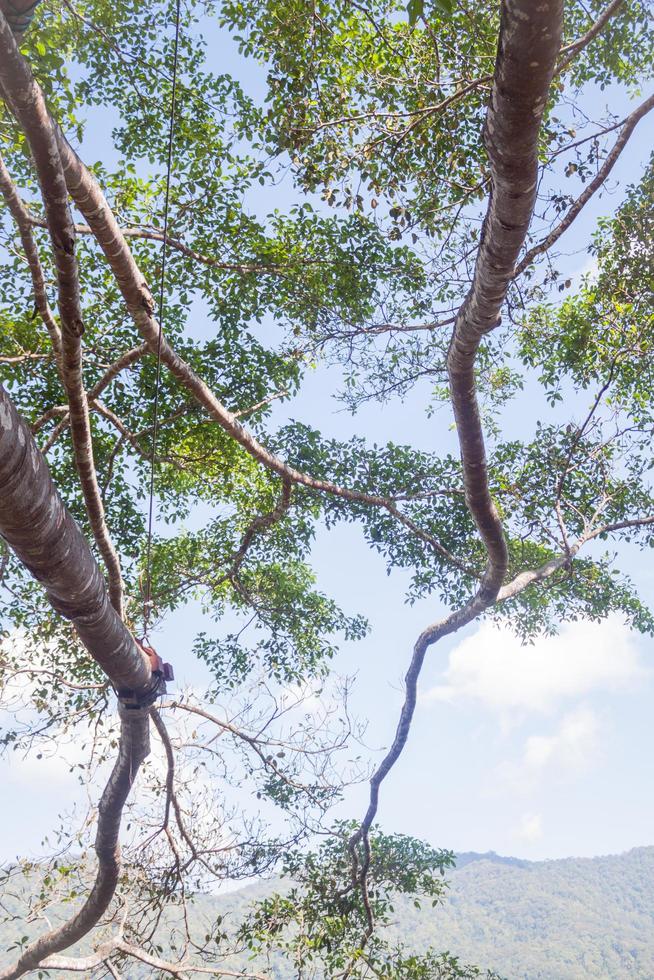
column 36, row 524
column 26, row 101
column 529, row 42
column 19, row 14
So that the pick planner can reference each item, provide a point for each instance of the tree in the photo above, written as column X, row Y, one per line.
column 382, row 112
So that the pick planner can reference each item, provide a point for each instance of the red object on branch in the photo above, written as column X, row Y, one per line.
column 164, row 670
column 160, row 673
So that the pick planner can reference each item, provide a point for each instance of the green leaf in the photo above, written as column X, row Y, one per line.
column 414, row 9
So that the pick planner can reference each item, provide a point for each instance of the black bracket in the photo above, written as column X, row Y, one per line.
column 20, row 20
column 161, row 672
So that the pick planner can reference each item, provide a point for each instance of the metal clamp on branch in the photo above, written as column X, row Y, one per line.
column 145, row 697
column 19, row 15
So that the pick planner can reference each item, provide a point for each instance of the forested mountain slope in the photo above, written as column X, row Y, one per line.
column 549, row 920
column 559, row 920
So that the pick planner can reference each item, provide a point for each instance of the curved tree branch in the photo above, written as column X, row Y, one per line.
column 528, row 45
column 26, row 101
column 627, row 129
column 134, row 747
column 46, row 539
column 529, row 42
column 23, row 221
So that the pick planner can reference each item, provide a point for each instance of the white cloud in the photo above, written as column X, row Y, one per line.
column 304, row 698
column 530, row 828
column 572, row 748
column 494, row 668
column 589, row 268
column 57, row 763
column 573, row 745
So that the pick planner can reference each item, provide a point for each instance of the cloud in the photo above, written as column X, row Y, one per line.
column 589, row 268
column 572, row 748
column 494, row 668
column 530, row 828
column 573, row 745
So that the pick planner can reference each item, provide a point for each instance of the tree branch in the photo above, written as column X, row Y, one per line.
column 151, row 234
column 528, row 45
column 46, row 539
column 134, row 747
column 90, row 200
column 23, row 221
column 627, row 129
column 26, row 101
column 570, row 51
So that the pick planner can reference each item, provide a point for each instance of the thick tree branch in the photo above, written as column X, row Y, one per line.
column 134, row 747
column 181, row 968
column 528, row 46
column 26, row 101
column 46, row 539
column 49, row 543
column 19, row 14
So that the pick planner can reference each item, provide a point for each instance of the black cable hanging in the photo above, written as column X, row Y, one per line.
column 147, row 604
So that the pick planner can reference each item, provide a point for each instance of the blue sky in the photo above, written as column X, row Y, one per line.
column 539, row 751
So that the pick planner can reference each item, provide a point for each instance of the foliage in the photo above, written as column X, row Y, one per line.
column 371, row 117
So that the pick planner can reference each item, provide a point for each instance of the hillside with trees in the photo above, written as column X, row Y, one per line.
column 571, row 919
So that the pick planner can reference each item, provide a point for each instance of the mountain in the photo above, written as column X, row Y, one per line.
column 568, row 919
column 549, row 920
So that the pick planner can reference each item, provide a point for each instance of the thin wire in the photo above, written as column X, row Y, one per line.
column 147, row 605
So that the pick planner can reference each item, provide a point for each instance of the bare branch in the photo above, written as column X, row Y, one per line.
column 21, row 358
column 133, row 749
column 570, row 51
column 634, row 522
column 152, row 234
column 594, row 185
column 124, row 361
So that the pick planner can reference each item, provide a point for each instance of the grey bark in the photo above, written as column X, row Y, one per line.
column 529, row 41
column 40, row 530
column 36, row 524
column 25, row 99
column 530, row 37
